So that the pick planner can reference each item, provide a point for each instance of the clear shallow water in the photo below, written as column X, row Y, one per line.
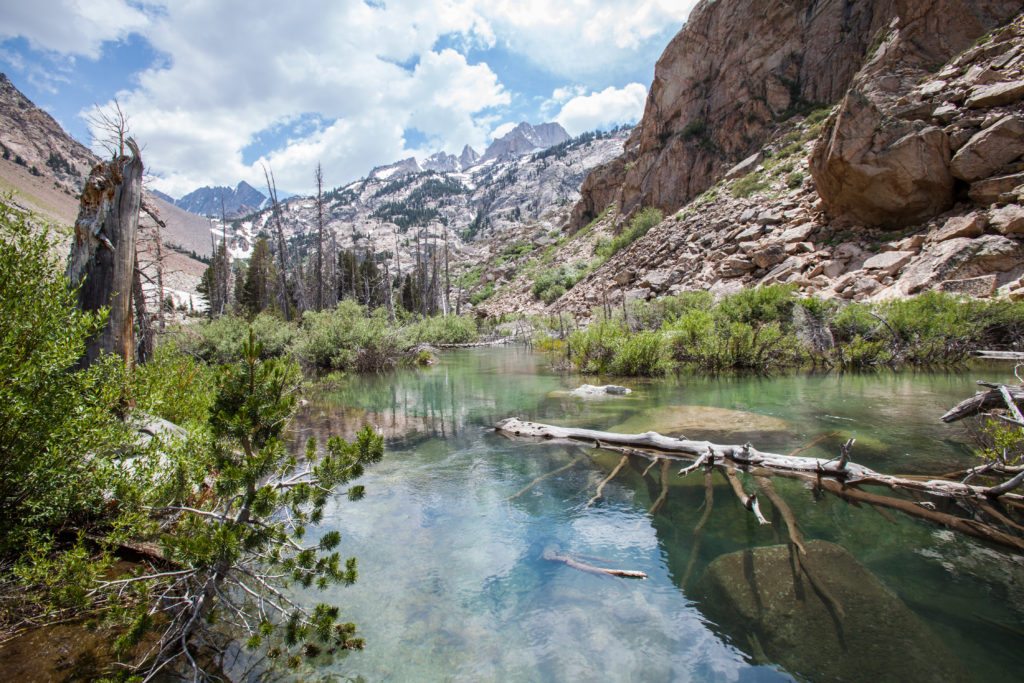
column 453, row 585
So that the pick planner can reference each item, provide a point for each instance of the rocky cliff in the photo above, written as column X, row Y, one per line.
column 912, row 181
column 740, row 67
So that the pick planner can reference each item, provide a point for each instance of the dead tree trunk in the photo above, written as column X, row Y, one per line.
column 838, row 476
column 102, row 263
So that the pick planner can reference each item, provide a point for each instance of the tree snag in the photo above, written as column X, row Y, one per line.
column 102, row 262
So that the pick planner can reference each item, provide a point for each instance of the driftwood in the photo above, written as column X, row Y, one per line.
column 663, row 495
column 839, row 476
column 995, row 397
column 553, row 555
column 746, row 456
column 552, row 473
column 600, row 487
column 698, row 530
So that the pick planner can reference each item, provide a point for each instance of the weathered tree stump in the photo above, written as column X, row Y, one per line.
column 102, row 262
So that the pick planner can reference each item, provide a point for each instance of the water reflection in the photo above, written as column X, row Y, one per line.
column 453, row 585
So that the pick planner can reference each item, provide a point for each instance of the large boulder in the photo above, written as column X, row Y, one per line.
column 882, row 172
column 960, row 258
column 989, row 150
column 881, row 160
column 860, row 632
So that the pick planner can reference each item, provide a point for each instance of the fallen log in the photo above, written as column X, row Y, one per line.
column 995, row 397
column 746, row 456
column 553, row 555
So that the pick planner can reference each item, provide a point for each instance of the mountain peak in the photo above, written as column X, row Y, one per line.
column 524, row 139
column 206, row 201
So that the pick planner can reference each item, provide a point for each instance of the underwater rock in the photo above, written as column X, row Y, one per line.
column 703, row 421
column 845, row 625
column 604, row 390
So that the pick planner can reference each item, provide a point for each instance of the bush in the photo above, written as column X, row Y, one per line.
column 593, row 349
column 639, row 225
column 175, row 386
column 552, row 283
column 345, row 339
column 482, row 295
column 59, row 434
column 644, row 354
column 451, row 329
column 748, row 185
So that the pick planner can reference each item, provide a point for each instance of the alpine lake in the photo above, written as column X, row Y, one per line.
column 454, row 543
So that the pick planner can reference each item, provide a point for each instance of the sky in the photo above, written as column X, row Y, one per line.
column 215, row 90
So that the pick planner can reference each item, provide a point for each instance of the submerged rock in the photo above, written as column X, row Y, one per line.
column 603, row 390
column 861, row 631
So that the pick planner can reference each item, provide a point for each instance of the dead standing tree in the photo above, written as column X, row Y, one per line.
column 102, row 264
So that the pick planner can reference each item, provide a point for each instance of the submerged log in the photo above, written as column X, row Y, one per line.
column 841, row 479
column 102, row 261
column 746, row 456
column 553, row 555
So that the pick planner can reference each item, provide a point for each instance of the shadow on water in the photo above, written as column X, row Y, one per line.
column 451, row 534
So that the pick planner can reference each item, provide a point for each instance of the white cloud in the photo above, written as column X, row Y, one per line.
column 502, row 129
column 603, row 109
column 232, row 72
column 220, row 89
column 586, row 39
column 71, row 27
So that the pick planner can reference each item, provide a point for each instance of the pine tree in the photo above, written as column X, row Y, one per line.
column 257, row 292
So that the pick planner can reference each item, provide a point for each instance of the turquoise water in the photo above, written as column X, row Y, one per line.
column 454, row 586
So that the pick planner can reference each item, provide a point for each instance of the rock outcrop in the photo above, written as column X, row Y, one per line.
column 738, row 68
column 729, row 75
column 902, row 138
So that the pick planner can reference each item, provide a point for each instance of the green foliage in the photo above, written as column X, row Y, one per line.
column 59, row 434
column 643, row 354
column 748, row 185
column 593, row 349
column 451, row 329
column 552, row 283
column 756, row 329
column 483, row 294
column 346, row 339
column 219, row 340
column 639, row 225
column 175, row 386
column 236, row 536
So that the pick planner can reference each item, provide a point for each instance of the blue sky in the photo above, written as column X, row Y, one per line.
column 215, row 89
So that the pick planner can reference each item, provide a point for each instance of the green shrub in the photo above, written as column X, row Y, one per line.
column 482, row 295
column 59, row 434
column 748, row 185
column 345, row 339
column 593, row 349
column 552, row 283
column 175, row 386
column 451, row 329
column 773, row 303
column 643, row 354
column 639, row 225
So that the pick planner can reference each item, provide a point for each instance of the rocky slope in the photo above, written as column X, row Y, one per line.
column 31, row 138
column 44, row 169
column 396, row 204
column 913, row 181
column 739, row 67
